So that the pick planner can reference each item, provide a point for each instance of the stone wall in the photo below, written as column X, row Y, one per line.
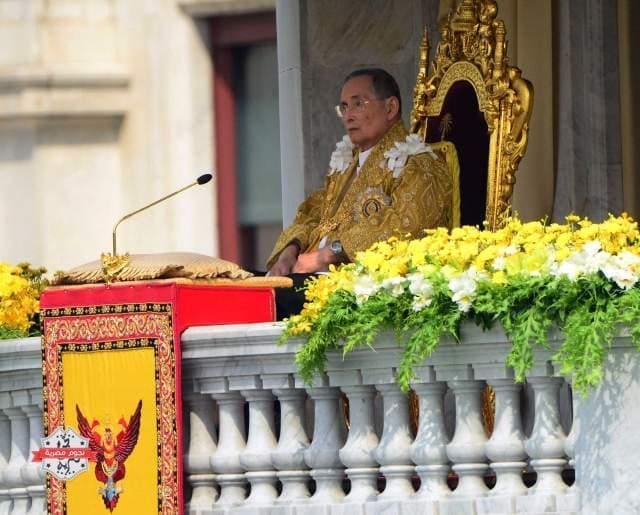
column 104, row 106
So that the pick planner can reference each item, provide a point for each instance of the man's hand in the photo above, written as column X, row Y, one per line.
column 317, row 261
column 286, row 260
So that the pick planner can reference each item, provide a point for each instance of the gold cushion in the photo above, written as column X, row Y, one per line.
column 157, row 266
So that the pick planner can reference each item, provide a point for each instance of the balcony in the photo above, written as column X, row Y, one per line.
column 259, row 440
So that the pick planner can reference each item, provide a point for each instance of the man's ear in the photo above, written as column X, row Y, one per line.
column 393, row 107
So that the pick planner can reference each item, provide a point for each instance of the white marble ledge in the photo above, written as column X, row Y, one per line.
column 37, row 93
column 110, row 76
column 243, row 349
column 228, row 338
column 225, row 7
column 20, row 365
column 20, row 353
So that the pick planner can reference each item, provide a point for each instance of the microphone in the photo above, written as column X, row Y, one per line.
column 203, row 179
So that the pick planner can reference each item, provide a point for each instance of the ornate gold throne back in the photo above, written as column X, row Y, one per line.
column 475, row 100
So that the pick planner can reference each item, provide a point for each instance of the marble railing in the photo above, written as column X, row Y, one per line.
column 259, row 440
column 248, row 453
column 22, row 488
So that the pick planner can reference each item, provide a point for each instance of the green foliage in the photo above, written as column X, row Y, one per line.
column 588, row 313
column 427, row 328
column 580, row 278
column 8, row 334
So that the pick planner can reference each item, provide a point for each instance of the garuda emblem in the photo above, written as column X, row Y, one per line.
column 111, row 451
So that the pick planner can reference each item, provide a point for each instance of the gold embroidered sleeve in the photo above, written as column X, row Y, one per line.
column 420, row 199
column 307, row 217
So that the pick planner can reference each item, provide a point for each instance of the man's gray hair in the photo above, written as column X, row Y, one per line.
column 383, row 83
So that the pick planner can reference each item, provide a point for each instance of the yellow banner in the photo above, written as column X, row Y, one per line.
column 107, row 387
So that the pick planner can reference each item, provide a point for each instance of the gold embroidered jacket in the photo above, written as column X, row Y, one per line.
column 361, row 209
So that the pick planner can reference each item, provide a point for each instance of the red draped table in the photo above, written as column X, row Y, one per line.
column 111, row 365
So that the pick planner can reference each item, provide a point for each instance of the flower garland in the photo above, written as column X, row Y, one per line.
column 342, row 156
column 20, row 288
column 581, row 276
column 396, row 156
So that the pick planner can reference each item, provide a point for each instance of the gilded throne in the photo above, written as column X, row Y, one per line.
column 474, row 109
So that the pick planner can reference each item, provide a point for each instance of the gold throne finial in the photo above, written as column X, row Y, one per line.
column 420, row 89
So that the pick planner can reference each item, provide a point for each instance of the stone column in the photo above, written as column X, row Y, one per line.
column 288, row 456
column 32, row 473
column 19, row 453
column 261, row 442
column 545, row 447
column 393, row 453
column 225, row 462
column 319, row 43
column 357, row 453
column 466, row 449
column 428, row 451
column 202, row 445
column 589, row 166
column 5, row 452
column 328, row 437
column 505, row 448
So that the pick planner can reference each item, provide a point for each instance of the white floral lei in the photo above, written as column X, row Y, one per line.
column 397, row 156
column 342, row 156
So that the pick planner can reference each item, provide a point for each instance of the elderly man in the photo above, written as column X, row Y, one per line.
column 381, row 182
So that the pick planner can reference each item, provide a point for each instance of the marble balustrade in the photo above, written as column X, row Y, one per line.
column 258, row 440
column 278, row 445
column 22, row 488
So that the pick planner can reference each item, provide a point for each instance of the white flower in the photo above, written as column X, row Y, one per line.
column 397, row 156
column 419, row 285
column 510, row 250
column 463, row 287
column 621, row 269
column 588, row 260
column 342, row 156
column 394, row 285
column 499, row 263
column 420, row 302
column 422, row 291
column 364, row 287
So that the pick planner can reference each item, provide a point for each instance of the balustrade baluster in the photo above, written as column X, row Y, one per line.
column 5, row 453
column 357, row 453
column 569, row 501
column 32, row 474
column 428, row 451
column 261, row 442
column 328, row 437
column 546, row 444
column 202, row 445
column 288, row 456
column 570, row 442
column 545, row 447
column 19, row 451
column 393, row 451
column 466, row 449
column 225, row 462
column 505, row 449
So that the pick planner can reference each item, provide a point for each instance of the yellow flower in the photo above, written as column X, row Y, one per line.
column 532, row 248
column 18, row 299
column 499, row 277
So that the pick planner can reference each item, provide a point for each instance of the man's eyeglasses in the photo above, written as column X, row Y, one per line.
column 357, row 106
